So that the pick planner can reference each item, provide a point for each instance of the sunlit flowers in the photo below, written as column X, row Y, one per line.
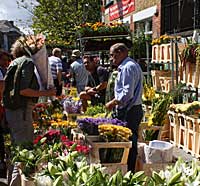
column 113, row 133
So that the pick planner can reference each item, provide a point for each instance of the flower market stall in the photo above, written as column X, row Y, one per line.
column 75, row 148
column 91, row 148
column 97, row 38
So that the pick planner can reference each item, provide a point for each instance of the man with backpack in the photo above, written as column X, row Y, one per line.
column 21, row 93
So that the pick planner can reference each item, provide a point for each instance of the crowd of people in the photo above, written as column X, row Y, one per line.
column 92, row 80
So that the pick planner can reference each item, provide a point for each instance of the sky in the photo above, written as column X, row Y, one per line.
column 9, row 10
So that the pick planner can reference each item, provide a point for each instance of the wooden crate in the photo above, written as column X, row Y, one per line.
column 197, row 151
column 155, row 53
column 166, row 54
column 111, row 168
column 155, row 77
column 182, row 139
column 144, row 126
column 174, row 127
column 166, row 84
column 192, row 134
column 96, row 145
column 165, row 130
column 189, row 73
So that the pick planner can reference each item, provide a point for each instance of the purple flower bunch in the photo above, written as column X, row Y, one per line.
column 71, row 106
column 90, row 125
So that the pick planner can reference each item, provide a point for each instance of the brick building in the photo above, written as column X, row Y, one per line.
column 8, row 34
column 154, row 17
column 142, row 15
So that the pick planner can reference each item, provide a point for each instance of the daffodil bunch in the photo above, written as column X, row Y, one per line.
column 112, row 133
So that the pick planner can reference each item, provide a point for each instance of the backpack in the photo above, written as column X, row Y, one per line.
column 11, row 97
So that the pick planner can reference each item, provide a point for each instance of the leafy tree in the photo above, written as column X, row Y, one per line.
column 58, row 18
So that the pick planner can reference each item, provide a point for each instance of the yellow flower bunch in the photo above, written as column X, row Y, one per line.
column 111, row 132
column 96, row 25
column 63, row 123
column 163, row 39
column 148, row 93
column 73, row 92
column 57, row 116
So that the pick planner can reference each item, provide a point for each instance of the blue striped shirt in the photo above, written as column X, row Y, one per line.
column 129, row 84
column 56, row 65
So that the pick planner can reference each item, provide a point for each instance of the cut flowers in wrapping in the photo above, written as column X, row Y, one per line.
column 72, row 105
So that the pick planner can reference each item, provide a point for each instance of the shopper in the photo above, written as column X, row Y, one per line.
column 26, row 88
column 78, row 71
column 4, row 61
column 56, row 69
column 127, row 102
column 96, row 85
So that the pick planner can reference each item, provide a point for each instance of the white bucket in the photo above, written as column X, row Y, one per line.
column 158, row 152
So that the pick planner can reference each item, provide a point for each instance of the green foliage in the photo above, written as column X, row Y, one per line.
column 94, row 110
column 139, row 46
column 57, row 19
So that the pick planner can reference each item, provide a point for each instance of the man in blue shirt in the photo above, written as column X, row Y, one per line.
column 78, row 71
column 128, row 95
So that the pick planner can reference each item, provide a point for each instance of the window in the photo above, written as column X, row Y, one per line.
column 144, row 26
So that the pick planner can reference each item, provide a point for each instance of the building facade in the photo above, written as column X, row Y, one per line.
column 142, row 15
column 154, row 17
column 8, row 34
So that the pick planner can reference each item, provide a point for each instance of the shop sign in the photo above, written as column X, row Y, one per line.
column 121, row 8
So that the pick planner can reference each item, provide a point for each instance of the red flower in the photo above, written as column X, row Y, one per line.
column 68, row 143
column 82, row 149
column 64, row 138
column 37, row 139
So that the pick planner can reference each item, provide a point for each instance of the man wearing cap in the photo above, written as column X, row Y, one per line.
column 56, row 69
column 78, row 71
